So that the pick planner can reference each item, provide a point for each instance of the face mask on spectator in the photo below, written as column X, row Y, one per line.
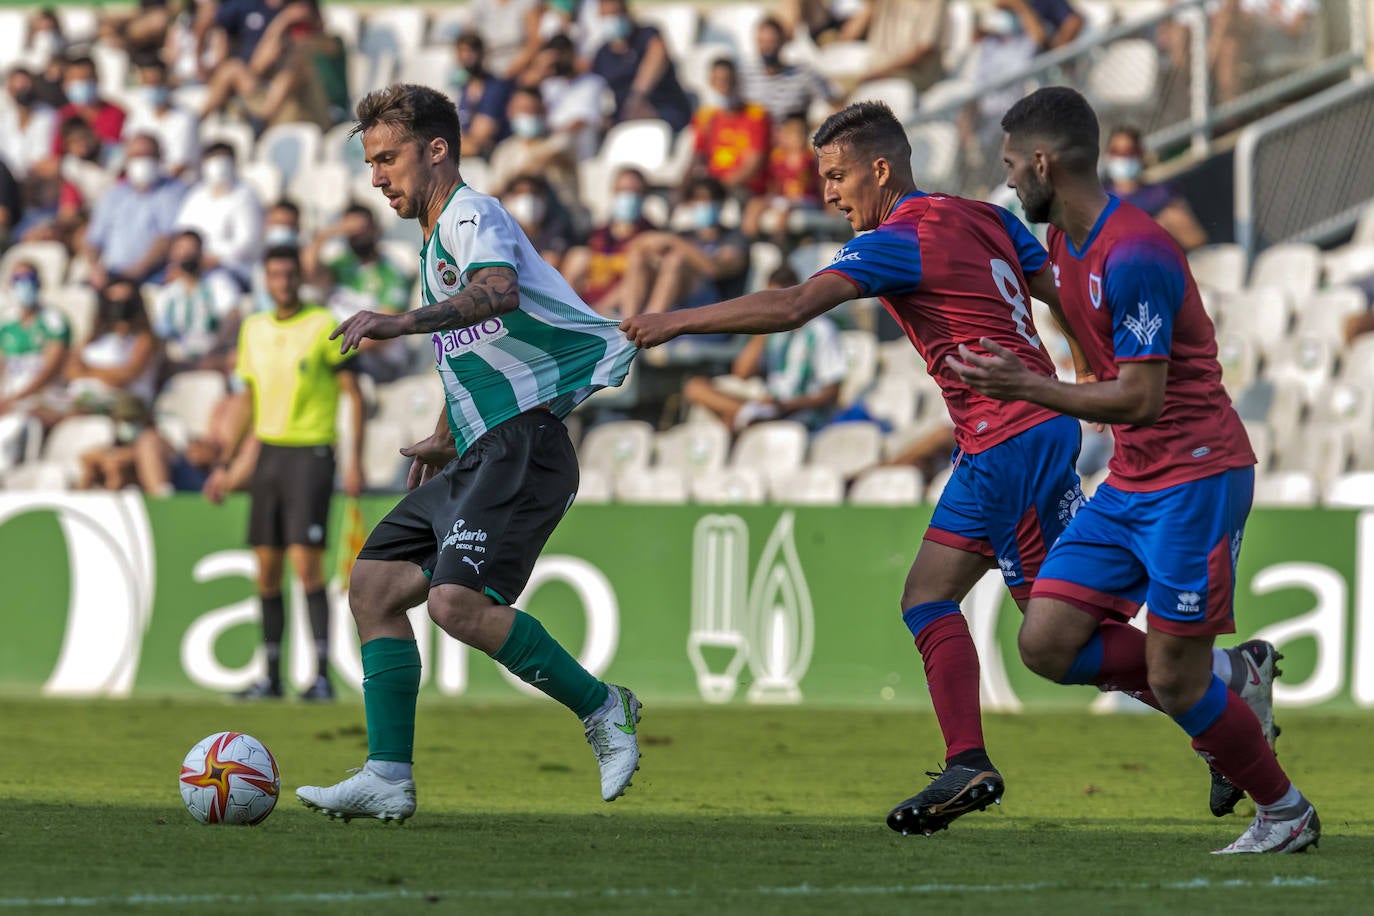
column 999, row 22
column 24, row 97
column 458, row 77
column 363, row 245
column 772, row 61
column 528, row 126
column 190, row 265
column 1124, row 168
column 25, row 288
column 626, row 206
column 527, row 209
column 281, row 235
column 218, row 171
column 618, row 28
column 141, row 172
column 705, row 214
column 80, row 92
column 156, row 96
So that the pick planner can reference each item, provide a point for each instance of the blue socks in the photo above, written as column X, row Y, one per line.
column 1087, row 664
column 1206, row 711
column 919, row 616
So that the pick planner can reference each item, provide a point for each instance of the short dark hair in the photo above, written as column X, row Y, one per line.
column 81, row 60
column 784, row 277
column 189, row 234
column 283, row 253
column 217, row 148
column 285, row 203
column 726, row 62
column 150, row 61
column 470, row 40
column 867, row 128
column 423, row 114
column 1063, row 117
column 774, row 23
column 712, row 186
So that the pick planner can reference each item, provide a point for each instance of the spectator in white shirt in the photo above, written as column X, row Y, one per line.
column 175, row 128
column 27, row 126
column 226, row 214
column 574, row 100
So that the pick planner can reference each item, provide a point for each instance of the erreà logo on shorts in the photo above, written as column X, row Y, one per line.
column 452, row 343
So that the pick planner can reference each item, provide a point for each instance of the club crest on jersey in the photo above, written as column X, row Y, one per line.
column 447, row 273
column 1095, row 290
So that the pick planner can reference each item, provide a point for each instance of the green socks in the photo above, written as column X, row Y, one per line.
column 391, row 682
column 536, row 658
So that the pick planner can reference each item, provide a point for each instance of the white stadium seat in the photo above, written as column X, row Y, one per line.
column 49, row 257
column 396, row 28
column 1222, row 267
column 887, row 486
column 1295, row 268
column 729, row 486
column 593, row 487
column 1125, row 75
column 1353, row 490
column 655, row 486
column 644, row 144
column 808, row 486
column 678, row 23
column 772, row 448
column 937, row 485
column 73, row 437
column 861, row 357
column 934, row 154
column 292, row 148
column 847, row 448
column 618, row 446
column 191, row 397
column 1286, row 488
column 693, row 448
column 238, row 134
column 1324, row 314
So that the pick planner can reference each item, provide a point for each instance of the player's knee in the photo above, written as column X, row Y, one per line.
column 1043, row 656
column 458, row 611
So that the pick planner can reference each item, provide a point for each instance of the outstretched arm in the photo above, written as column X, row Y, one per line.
column 763, row 312
column 491, row 291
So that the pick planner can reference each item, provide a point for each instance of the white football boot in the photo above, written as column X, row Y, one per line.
column 1259, row 660
column 364, row 794
column 613, row 736
column 1278, row 835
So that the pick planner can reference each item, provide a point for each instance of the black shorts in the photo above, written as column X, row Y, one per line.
column 482, row 521
column 290, row 494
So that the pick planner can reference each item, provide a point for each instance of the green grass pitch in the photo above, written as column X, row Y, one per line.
column 736, row 810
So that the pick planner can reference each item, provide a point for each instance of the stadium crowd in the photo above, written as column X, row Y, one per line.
column 136, row 199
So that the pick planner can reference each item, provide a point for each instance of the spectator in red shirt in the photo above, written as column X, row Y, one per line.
column 790, row 182
column 732, row 136
column 83, row 99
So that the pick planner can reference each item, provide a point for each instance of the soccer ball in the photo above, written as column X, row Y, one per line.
column 230, row 778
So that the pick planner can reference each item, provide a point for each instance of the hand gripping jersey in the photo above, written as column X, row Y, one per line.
column 951, row 271
column 551, row 350
column 1128, row 296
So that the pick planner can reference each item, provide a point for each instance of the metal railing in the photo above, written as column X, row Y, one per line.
column 1169, row 93
column 1305, row 173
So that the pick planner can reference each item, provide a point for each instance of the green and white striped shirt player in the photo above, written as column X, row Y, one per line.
column 553, row 349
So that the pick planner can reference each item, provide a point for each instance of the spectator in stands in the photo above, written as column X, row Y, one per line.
column 541, row 214
column 295, row 73
column 783, row 89
column 194, row 313
column 705, row 263
column 346, row 260
column 929, row 451
column 634, row 62
column 1124, row 164
column 226, row 215
column 111, row 467
column 1001, row 45
column 1251, row 36
column 790, row 183
column 161, row 470
column 11, row 205
column 481, row 97
column 45, row 55
column 828, row 20
column 140, row 31
column 532, row 148
column 732, row 136
column 596, row 270
column 131, row 225
column 505, row 27
column 237, row 28
column 33, row 350
column 27, row 125
column 573, row 100
column 907, row 38
column 281, row 228
column 176, row 129
column 82, row 89
column 1049, row 23
column 121, row 357
column 60, row 190
column 801, row 372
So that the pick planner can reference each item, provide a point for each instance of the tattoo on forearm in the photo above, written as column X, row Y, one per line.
column 493, row 291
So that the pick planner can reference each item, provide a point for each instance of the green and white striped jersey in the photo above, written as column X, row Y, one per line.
column 553, row 349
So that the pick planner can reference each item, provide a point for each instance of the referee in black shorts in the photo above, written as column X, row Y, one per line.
column 294, row 376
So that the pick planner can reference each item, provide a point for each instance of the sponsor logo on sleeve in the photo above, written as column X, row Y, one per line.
column 1143, row 326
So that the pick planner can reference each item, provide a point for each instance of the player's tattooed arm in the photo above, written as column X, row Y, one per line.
column 492, row 291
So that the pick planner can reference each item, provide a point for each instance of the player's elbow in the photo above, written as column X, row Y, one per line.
column 1146, row 408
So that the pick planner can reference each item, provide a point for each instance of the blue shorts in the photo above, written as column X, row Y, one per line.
column 1174, row 550
column 1011, row 501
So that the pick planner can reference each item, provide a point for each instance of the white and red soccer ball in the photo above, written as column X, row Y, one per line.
column 230, row 778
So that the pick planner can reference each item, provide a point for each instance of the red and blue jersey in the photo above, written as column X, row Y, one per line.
column 1128, row 296
column 952, row 271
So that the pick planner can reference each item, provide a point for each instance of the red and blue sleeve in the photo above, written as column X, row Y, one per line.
column 1029, row 251
column 1144, row 286
column 884, row 262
